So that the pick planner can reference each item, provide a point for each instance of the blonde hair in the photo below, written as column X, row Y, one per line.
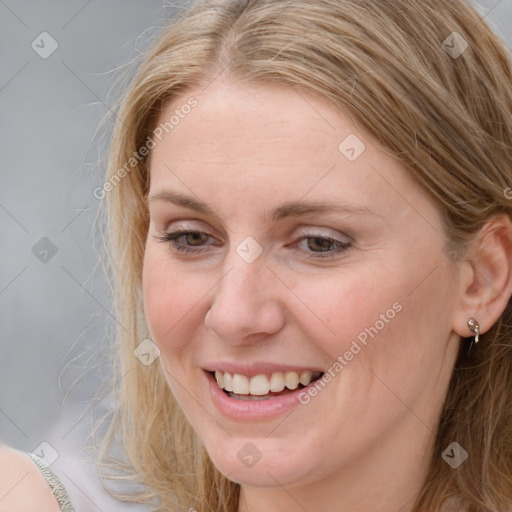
column 446, row 117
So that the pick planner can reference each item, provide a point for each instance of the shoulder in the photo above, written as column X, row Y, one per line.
column 22, row 486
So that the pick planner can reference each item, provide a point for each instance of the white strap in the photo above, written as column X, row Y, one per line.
column 58, row 489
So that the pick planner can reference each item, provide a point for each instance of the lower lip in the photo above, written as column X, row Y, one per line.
column 251, row 410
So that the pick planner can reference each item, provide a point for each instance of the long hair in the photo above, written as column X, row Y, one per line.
column 431, row 85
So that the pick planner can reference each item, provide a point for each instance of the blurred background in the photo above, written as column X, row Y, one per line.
column 60, row 74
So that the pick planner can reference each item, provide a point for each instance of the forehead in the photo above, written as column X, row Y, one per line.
column 231, row 120
column 239, row 143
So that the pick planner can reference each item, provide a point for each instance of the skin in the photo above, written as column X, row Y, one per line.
column 22, row 486
column 365, row 441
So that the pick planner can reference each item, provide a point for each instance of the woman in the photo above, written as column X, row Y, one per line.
column 252, row 115
column 310, row 232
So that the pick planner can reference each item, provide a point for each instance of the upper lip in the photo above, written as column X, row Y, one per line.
column 257, row 368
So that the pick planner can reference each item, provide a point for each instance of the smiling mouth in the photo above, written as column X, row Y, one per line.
column 263, row 387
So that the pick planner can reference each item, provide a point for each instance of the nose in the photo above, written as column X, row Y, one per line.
column 245, row 305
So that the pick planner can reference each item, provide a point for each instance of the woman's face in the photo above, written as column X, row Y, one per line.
column 314, row 252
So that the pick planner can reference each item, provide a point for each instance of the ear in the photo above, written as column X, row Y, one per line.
column 486, row 282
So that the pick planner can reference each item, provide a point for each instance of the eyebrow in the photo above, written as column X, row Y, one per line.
column 286, row 210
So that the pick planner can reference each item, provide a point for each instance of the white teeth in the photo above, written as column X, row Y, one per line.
column 228, row 380
column 291, row 380
column 260, row 385
column 277, row 382
column 240, row 384
column 305, row 378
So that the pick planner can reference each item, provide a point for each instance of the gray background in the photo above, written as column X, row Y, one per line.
column 54, row 313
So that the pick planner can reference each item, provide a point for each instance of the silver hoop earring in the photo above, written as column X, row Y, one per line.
column 474, row 327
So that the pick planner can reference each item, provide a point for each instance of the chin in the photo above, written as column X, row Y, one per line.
column 242, row 462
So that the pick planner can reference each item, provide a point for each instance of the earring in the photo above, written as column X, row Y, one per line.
column 474, row 326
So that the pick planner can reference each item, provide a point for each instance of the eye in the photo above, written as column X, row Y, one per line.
column 191, row 238
column 321, row 246
column 191, row 242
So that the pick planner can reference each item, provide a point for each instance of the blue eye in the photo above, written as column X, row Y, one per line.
column 185, row 242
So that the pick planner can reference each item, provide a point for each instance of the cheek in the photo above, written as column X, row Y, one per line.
column 170, row 296
column 380, row 320
column 347, row 307
column 155, row 289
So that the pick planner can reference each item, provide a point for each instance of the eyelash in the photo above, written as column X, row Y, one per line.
column 171, row 240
